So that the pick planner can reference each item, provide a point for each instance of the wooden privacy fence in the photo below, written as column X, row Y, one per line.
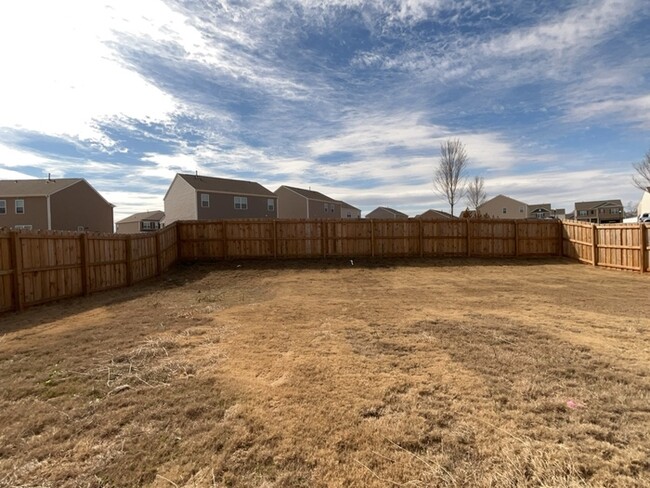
column 272, row 239
column 45, row 266
column 620, row 246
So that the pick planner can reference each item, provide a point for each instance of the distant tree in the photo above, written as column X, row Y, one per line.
column 642, row 178
column 449, row 176
column 631, row 209
column 475, row 192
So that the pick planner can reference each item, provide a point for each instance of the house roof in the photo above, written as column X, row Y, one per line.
column 435, row 214
column 41, row 188
column 310, row 194
column 533, row 207
column 347, row 205
column 597, row 204
column 35, row 188
column 137, row 217
column 391, row 210
column 224, row 185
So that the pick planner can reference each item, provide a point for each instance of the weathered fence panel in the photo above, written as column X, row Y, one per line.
column 7, row 274
column 577, row 242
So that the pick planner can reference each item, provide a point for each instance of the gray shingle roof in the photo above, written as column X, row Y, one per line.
column 156, row 215
column 34, row 188
column 311, row 194
column 224, row 185
column 597, row 204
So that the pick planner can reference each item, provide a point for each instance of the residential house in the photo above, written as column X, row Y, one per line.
column 198, row 197
column 386, row 213
column 503, row 207
column 599, row 211
column 298, row 203
column 432, row 214
column 545, row 211
column 70, row 204
column 644, row 203
column 349, row 212
column 140, row 222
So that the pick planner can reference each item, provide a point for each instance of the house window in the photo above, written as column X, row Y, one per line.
column 205, row 200
column 270, row 204
column 332, row 208
column 349, row 215
column 3, row 207
column 241, row 203
column 521, row 210
column 504, row 210
column 20, row 206
column 327, row 207
column 582, row 213
column 23, row 227
column 80, row 228
column 148, row 225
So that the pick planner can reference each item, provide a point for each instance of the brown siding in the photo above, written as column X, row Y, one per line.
column 317, row 210
column 180, row 201
column 80, row 206
column 290, row 204
column 35, row 213
column 222, row 206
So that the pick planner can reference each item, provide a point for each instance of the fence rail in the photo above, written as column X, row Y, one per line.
column 41, row 267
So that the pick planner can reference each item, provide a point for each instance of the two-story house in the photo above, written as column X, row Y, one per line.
column 198, row 197
column 298, row 203
column 503, row 207
column 70, row 204
column 599, row 212
column 140, row 222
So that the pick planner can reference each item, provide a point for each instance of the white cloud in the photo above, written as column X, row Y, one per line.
column 631, row 109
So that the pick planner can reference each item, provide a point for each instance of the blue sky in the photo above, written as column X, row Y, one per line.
column 349, row 97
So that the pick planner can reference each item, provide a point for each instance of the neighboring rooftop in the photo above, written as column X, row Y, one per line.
column 597, row 204
column 225, row 185
column 156, row 215
column 347, row 205
column 35, row 188
column 311, row 194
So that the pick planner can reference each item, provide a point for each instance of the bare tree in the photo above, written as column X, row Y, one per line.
column 449, row 176
column 642, row 178
column 475, row 193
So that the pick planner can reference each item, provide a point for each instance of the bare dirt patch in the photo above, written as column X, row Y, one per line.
column 414, row 373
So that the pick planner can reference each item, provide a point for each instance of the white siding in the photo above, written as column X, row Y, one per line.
column 180, row 201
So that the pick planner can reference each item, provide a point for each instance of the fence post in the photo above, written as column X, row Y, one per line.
column 275, row 239
column 467, row 228
column 17, row 265
column 421, row 237
column 516, row 238
column 129, row 260
column 594, row 245
column 372, row 238
column 224, row 235
column 643, row 245
column 560, row 239
column 179, row 246
column 159, row 258
column 85, row 288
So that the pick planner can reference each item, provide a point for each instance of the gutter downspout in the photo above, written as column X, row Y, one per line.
column 49, row 213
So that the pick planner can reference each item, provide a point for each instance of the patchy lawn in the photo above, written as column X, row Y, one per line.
column 400, row 373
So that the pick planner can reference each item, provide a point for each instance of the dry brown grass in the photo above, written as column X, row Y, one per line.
column 431, row 373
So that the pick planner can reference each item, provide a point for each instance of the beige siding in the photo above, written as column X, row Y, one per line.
column 35, row 213
column 644, row 204
column 502, row 207
column 79, row 206
column 180, row 201
column 291, row 205
column 127, row 228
